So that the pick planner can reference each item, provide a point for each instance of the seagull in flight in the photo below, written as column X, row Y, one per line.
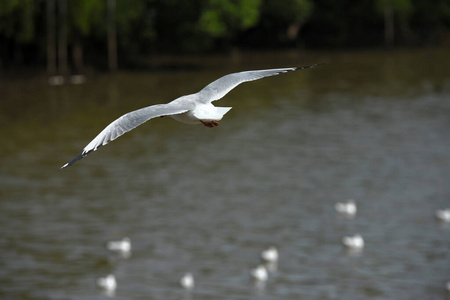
column 190, row 109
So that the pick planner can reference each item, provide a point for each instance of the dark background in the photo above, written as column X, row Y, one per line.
column 66, row 36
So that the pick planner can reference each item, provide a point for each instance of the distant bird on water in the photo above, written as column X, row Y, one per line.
column 270, row 255
column 348, row 208
column 190, row 109
column 123, row 245
column 107, row 284
column 443, row 215
column 259, row 274
column 355, row 242
column 187, row 281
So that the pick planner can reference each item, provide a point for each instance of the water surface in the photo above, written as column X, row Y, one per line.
column 369, row 126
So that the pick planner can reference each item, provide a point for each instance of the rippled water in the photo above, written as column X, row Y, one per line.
column 370, row 126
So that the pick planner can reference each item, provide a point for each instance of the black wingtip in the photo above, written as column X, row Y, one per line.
column 310, row 66
column 63, row 167
column 75, row 159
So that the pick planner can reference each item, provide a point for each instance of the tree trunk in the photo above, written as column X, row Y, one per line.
column 112, row 38
column 51, row 49
column 389, row 30
column 62, row 38
column 292, row 31
column 77, row 53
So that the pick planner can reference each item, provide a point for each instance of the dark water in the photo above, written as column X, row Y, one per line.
column 369, row 126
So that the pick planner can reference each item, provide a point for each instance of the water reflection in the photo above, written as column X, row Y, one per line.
column 370, row 126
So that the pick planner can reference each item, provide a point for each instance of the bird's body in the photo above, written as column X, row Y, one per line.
column 270, row 255
column 187, row 281
column 190, row 109
column 348, row 209
column 203, row 113
column 259, row 274
column 108, row 283
column 123, row 245
column 355, row 242
column 443, row 215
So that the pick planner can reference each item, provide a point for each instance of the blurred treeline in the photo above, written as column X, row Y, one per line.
column 87, row 32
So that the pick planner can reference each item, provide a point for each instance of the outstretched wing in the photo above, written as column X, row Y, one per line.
column 128, row 122
column 220, row 87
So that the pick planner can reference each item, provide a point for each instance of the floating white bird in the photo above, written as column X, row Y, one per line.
column 443, row 215
column 123, row 245
column 260, row 273
column 108, row 283
column 187, row 281
column 270, row 255
column 347, row 208
column 190, row 109
column 56, row 80
column 355, row 242
column 77, row 79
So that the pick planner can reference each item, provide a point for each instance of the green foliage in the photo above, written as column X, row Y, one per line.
column 16, row 19
column 87, row 14
column 291, row 11
column 221, row 18
column 134, row 24
column 402, row 7
column 198, row 26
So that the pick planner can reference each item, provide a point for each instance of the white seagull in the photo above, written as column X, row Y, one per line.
column 270, row 255
column 108, row 284
column 187, row 281
column 348, row 208
column 443, row 215
column 355, row 242
column 123, row 245
column 259, row 274
column 190, row 109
